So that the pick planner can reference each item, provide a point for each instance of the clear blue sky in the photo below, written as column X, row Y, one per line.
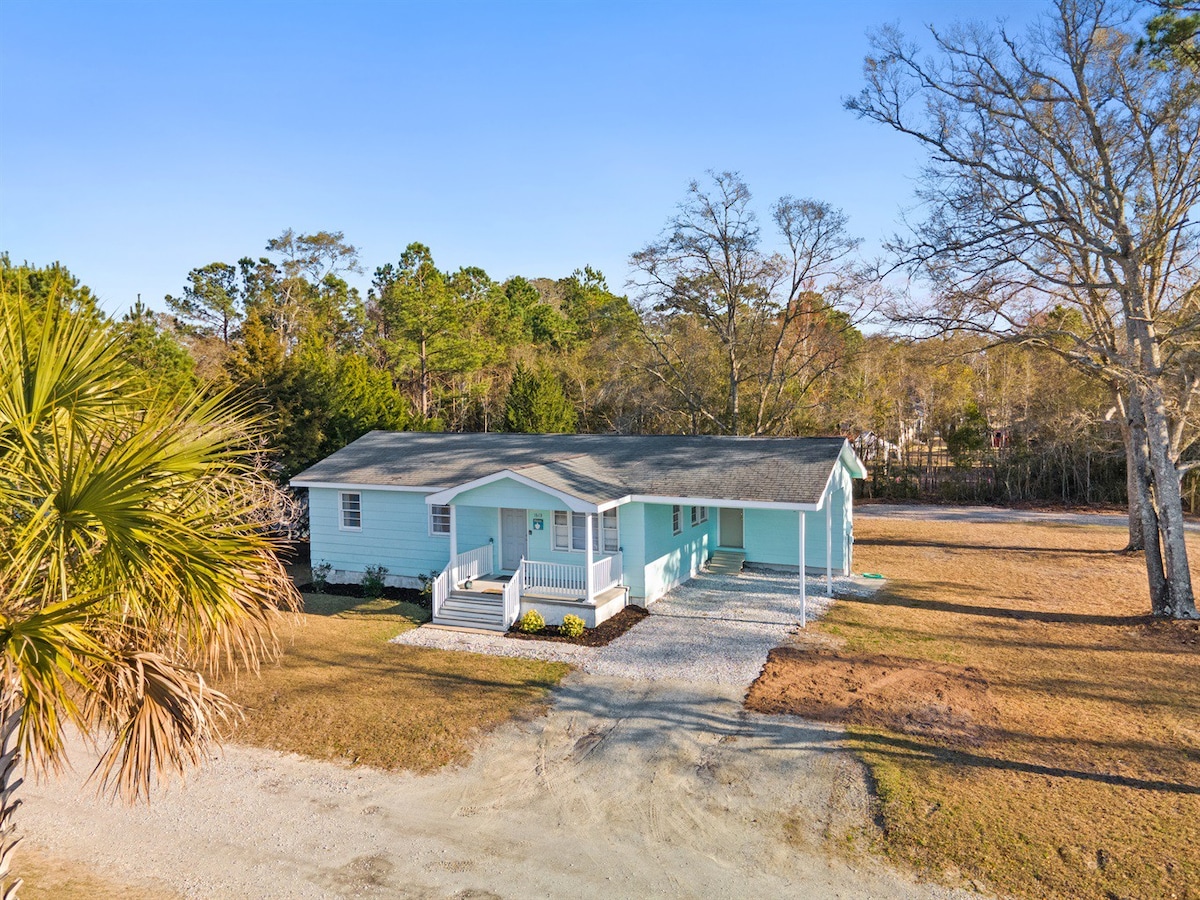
column 143, row 139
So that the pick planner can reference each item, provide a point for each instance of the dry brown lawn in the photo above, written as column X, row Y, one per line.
column 340, row 691
column 48, row 877
column 1023, row 723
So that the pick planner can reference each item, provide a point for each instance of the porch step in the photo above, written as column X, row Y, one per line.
column 726, row 562
column 467, row 609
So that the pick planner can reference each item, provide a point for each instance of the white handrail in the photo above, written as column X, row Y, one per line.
column 441, row 590
column 471, row 565
column 512, row 595
column 606, row 572
column 555, row 578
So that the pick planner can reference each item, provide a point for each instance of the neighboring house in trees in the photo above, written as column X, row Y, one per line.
column 578, row 524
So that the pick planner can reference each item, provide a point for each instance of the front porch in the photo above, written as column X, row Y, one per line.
column 472, row 591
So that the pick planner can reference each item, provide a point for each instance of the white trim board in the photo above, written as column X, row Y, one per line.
column 573, row 503
column 355, row 486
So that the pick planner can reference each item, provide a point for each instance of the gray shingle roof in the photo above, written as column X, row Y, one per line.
column 593, row 467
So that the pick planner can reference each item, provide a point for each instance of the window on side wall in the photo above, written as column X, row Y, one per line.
column 608, row 525
column 695, row 516
column 676, row 519
column 351, row 510
column 703, row 514
column 562, row 530
column 439, row 520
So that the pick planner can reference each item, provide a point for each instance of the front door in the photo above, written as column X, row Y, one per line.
column 514, row 539
column 731, row 527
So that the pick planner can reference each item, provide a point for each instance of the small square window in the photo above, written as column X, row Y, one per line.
column 439, row 520
column 676, row 519
column 351, row 511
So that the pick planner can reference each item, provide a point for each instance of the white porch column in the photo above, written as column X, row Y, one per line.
column 829, row 547
column 587, row 572
column 453, row 545
column 803, row 587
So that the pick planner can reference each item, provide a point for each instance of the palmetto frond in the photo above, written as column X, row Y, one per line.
column 130, row 554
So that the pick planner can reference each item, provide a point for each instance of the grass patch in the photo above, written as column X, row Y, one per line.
column 340, row 691
column 48, row 877
column 1087, row 780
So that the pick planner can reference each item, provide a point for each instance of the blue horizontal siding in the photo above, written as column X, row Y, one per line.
column 395, row 533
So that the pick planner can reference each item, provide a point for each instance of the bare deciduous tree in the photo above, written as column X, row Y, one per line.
column 1062, row 172
column 778, row 318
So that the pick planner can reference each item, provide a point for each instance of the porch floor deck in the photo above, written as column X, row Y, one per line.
column 492, row 584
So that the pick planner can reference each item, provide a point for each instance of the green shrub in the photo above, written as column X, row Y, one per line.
column 320, row 576
column 372, row 581
column 572, row 626
column 531, row 621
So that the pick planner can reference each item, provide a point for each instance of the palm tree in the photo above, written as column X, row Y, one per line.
column 133, row 558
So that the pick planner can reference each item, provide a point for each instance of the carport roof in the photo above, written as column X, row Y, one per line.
column 597, row 468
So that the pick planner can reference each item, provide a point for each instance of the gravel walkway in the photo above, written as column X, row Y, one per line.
column 714, row 629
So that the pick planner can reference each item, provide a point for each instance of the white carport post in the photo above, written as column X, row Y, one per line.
column 829, row 547
column 587, row 572
column 803, row 587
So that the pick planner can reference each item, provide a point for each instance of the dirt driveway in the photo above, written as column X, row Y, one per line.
column 626, row 789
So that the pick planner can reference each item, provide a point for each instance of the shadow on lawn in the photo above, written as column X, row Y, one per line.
column 902, row 747
column 909, row 601
column 950, row 545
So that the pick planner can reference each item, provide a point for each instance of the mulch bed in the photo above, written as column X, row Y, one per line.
column 407, row 595
column 604, row 633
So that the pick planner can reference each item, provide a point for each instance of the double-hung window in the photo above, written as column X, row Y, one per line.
column 562, row 530
column 570, row 531
column 608, row 525
column 703, row 514
column 676, row 520
column 695, row 516
column 351, row 510
column 439, row 520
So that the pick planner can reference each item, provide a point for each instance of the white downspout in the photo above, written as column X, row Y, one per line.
column 453, row 548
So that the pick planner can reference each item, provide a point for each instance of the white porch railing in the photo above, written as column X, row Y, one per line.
column 555, row 579
column 471, row 565
column 441, row 590
column 512, row 595
column 606, row 572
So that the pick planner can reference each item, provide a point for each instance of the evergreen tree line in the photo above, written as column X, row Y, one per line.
column 951, row 418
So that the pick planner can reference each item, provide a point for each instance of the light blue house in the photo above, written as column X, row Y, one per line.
column 579, row 524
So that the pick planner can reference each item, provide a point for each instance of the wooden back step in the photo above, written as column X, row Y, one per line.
column 726, row 562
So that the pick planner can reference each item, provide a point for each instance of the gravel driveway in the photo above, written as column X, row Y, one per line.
column 713, row 629
column 626, row 789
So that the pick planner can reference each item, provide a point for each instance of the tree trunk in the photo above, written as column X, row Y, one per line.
column 9, row 758
column 1143, row 496
column 1133, row 490
column 1181, row 603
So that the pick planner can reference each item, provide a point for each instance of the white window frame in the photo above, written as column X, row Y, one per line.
column 610, row 526
column 343, row 496
column 434, row 516
column 606, row 534
column 562, row 530
column 695, row 516
column 676, row 519
column 703, row 514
